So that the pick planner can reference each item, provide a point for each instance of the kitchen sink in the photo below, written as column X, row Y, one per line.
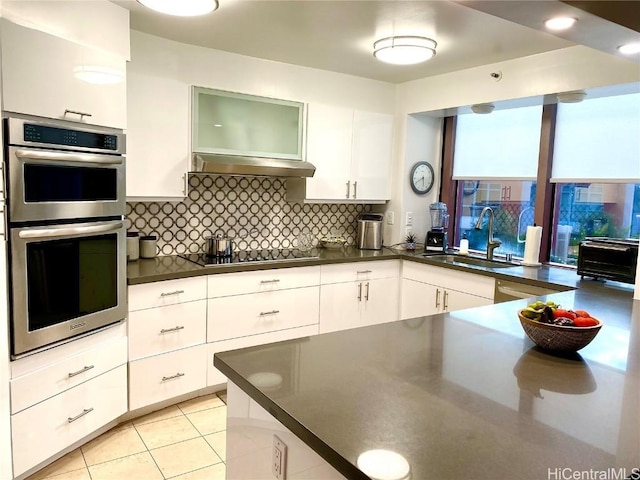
column 478, row 262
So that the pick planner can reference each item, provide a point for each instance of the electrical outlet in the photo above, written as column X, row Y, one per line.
column 390, row 218
column 279, row 460
column 408, row 230
column 409, row 221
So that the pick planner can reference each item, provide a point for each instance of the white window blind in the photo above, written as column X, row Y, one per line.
column 598, row 140
column 500, row 145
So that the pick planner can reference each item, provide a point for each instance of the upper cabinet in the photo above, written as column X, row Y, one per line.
column 157, row 136
column 351, row 150
column 238, row 124
column 49, row 76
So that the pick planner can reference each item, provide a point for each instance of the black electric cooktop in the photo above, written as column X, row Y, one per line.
column 250, row 256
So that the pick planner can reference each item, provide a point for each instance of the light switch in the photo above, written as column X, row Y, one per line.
column 390, row 218
column 409, row 220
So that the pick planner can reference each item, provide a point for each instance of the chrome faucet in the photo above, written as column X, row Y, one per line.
column 492, row 243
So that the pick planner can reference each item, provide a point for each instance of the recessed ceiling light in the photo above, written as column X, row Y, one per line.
column 560, row 23
column 404, row 50
column 482, row 108
column 181, row 8
column 629, row 48
column 571, row 97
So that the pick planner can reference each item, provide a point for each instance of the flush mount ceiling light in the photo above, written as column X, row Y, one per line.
column 98, row 75
column 404, row 50
column 571, row 97
column 629, row 48
column 181, row 8
column 560, row 23
column 483, row 108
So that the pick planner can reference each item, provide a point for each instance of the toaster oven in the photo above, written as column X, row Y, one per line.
column 608, row 258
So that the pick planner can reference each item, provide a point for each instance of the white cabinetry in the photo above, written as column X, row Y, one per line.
column 157, row 136
column 253, row 308
column 167, row 335
column 48, row 76
column 351, row 151
column 358, row 294
column 64, row 394
column 427, row 290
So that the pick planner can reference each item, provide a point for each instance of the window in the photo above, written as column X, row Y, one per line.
column 512, row 203
column 592, row 210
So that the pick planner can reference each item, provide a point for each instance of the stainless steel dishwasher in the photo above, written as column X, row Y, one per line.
column 506, row 291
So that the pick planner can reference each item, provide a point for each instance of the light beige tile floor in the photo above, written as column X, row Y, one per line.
column 181, row 442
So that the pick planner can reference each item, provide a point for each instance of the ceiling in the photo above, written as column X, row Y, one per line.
column 338, row 35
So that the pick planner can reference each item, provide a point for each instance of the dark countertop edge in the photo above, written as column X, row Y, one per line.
column 328, row 454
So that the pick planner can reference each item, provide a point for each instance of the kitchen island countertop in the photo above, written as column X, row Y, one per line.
column 461, row 395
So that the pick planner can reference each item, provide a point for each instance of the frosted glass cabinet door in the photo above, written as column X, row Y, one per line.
column 239, row 124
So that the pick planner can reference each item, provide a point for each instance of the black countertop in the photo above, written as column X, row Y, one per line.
column 462, row 395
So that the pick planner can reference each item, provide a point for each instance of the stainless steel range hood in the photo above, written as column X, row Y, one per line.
column 239, row 165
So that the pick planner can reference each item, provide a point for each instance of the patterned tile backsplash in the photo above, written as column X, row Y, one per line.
column 253, row 211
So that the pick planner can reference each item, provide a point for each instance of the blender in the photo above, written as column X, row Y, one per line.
column 437, row 237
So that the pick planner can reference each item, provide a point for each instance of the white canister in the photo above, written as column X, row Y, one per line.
column 148, row 246
column 133, row 246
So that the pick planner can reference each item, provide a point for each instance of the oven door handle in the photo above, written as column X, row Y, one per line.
column 80, row 158
column 66, row 231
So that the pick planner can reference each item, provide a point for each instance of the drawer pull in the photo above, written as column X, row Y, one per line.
column 270, row 281
column 82, row 370
column 177, row 375
column 75, row 112
column 82, row 414
column 166, row 294
column 272, row 312
column 174, row 329
column 363, row 271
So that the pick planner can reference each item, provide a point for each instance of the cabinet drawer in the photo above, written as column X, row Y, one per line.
column 45, row 429
column 357, row 271
column 169, row 292
column 165, row 376
column 163, row 329
column 215, row 376
column 31, row 388
column 242, row 315
column 449, row 278
column 228, row 284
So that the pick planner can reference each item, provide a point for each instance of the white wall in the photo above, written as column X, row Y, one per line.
column 228, row 71
column 561, row 70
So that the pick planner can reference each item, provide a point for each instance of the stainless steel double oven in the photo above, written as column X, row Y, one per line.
column 65, row 187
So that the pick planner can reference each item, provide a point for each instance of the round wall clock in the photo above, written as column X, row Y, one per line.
column 421, row 178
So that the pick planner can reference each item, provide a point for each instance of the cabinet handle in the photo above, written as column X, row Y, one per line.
column 75, row 112
column 437, row 298
column 177, row 375
column 174, row 329
column 348, row 188
column 167, row 294
column 355, row 189
column 82, row 414
column 360, row 292
column 363, row 271
column 366, row 293
column 272, row 312
column 82, row 370
column 269, row 281
column 446, row 300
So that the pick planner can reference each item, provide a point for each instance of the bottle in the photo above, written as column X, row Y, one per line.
column 464, row 245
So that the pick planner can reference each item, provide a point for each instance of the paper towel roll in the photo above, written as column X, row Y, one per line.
column 532, row 246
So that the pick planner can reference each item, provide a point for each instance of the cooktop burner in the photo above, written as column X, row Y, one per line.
column 250, row 256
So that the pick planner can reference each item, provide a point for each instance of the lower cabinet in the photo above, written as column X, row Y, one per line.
column 160, row 377
column 358, row 294
column 427, row 290
column 43, row 430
